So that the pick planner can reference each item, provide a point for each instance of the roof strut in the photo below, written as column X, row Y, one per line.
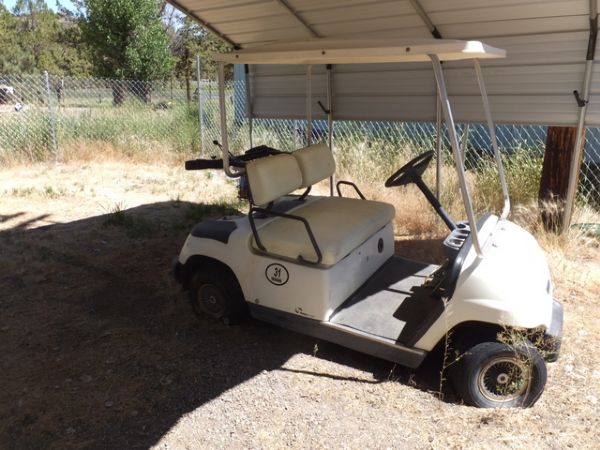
column 421, row 12
column 205, row 24
column 582, row 102
column 285, row 5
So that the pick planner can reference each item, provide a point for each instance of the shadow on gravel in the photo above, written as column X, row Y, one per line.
column 99, row 350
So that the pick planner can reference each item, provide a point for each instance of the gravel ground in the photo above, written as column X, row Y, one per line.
column 100, row 350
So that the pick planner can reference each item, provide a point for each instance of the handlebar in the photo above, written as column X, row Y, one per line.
column 236, row 161
column 202, row 164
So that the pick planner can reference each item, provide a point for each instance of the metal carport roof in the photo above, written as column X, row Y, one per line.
column 546, row 43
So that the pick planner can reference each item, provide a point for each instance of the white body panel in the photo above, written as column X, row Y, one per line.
column 510, row 286
column 310, row 291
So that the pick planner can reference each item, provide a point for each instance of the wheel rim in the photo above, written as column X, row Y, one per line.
column 211, row 300
column 503, row 379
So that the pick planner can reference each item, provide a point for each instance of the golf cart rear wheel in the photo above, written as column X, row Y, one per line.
column 216, row 293
column 495, row 375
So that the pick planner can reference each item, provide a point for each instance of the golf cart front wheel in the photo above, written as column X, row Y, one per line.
column 217, row 294
column 496, row 375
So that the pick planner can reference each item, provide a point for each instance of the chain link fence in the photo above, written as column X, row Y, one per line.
column 44, row 117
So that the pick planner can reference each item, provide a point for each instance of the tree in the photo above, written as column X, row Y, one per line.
column 190, row 39
column 30, row 9
column 184, row 46
column 7, row 41
column 127, row 41
column 33, row 39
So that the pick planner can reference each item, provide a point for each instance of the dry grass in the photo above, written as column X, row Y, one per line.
column 100, row 351
column 90, row 151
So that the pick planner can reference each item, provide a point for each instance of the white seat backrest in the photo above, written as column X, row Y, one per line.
column 273, row 177
column 316, row 163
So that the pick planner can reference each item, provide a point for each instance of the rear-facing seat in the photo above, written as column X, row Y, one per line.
column 339, row 225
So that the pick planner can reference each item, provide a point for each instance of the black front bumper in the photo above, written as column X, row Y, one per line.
column 552, row 338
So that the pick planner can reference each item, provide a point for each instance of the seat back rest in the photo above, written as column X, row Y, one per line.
column 272, row 177
column 316, row 163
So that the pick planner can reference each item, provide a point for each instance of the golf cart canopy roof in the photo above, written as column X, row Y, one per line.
column 361, row 51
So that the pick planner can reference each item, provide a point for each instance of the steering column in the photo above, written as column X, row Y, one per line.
column 412, row 172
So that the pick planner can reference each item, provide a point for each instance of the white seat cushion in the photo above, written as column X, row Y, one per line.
column 316, row 163
column 273, row 177
column 339, row 224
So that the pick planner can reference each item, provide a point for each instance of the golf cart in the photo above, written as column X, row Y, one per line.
column 325, row 265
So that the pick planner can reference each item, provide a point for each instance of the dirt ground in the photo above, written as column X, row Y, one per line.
column 100, row 349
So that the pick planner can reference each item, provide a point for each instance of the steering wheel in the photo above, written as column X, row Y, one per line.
column 414, row 168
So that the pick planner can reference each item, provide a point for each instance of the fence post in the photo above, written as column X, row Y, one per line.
column 200, row 109
column 438, row 148
column 52, row 116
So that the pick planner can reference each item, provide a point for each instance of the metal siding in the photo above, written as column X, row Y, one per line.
column 485, row 29
column 291, row 85
column 484, row 5
column 316, row 5
column 288, row 107
column 267, row 35
column 506, row 12
column 390, row 33
column 247, row 11
column 277, row 22
column 366, row 25
column 371, row 10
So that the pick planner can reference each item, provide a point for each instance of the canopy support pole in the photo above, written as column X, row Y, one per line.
column 308, row 105
column 223, row 113
column 460, row 169
column 582, row 103
column 438, row 148
column 330, row 122
column 248, row 102
column 492, row 131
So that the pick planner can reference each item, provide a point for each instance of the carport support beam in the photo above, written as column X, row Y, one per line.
column 330, row 122
column 438, row 148
column 308, row 105
column 580, row 138
column 223, row 115
column 248, row 101
column 200, row 109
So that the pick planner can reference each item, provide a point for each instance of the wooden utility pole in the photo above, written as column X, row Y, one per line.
column 560, row 150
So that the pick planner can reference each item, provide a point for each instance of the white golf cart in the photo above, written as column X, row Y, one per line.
column 325, row 265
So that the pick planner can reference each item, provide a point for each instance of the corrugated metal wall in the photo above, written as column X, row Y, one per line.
column 546, row 43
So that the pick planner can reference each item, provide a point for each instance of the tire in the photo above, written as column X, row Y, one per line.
column 495, row 375
column 216, row 293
